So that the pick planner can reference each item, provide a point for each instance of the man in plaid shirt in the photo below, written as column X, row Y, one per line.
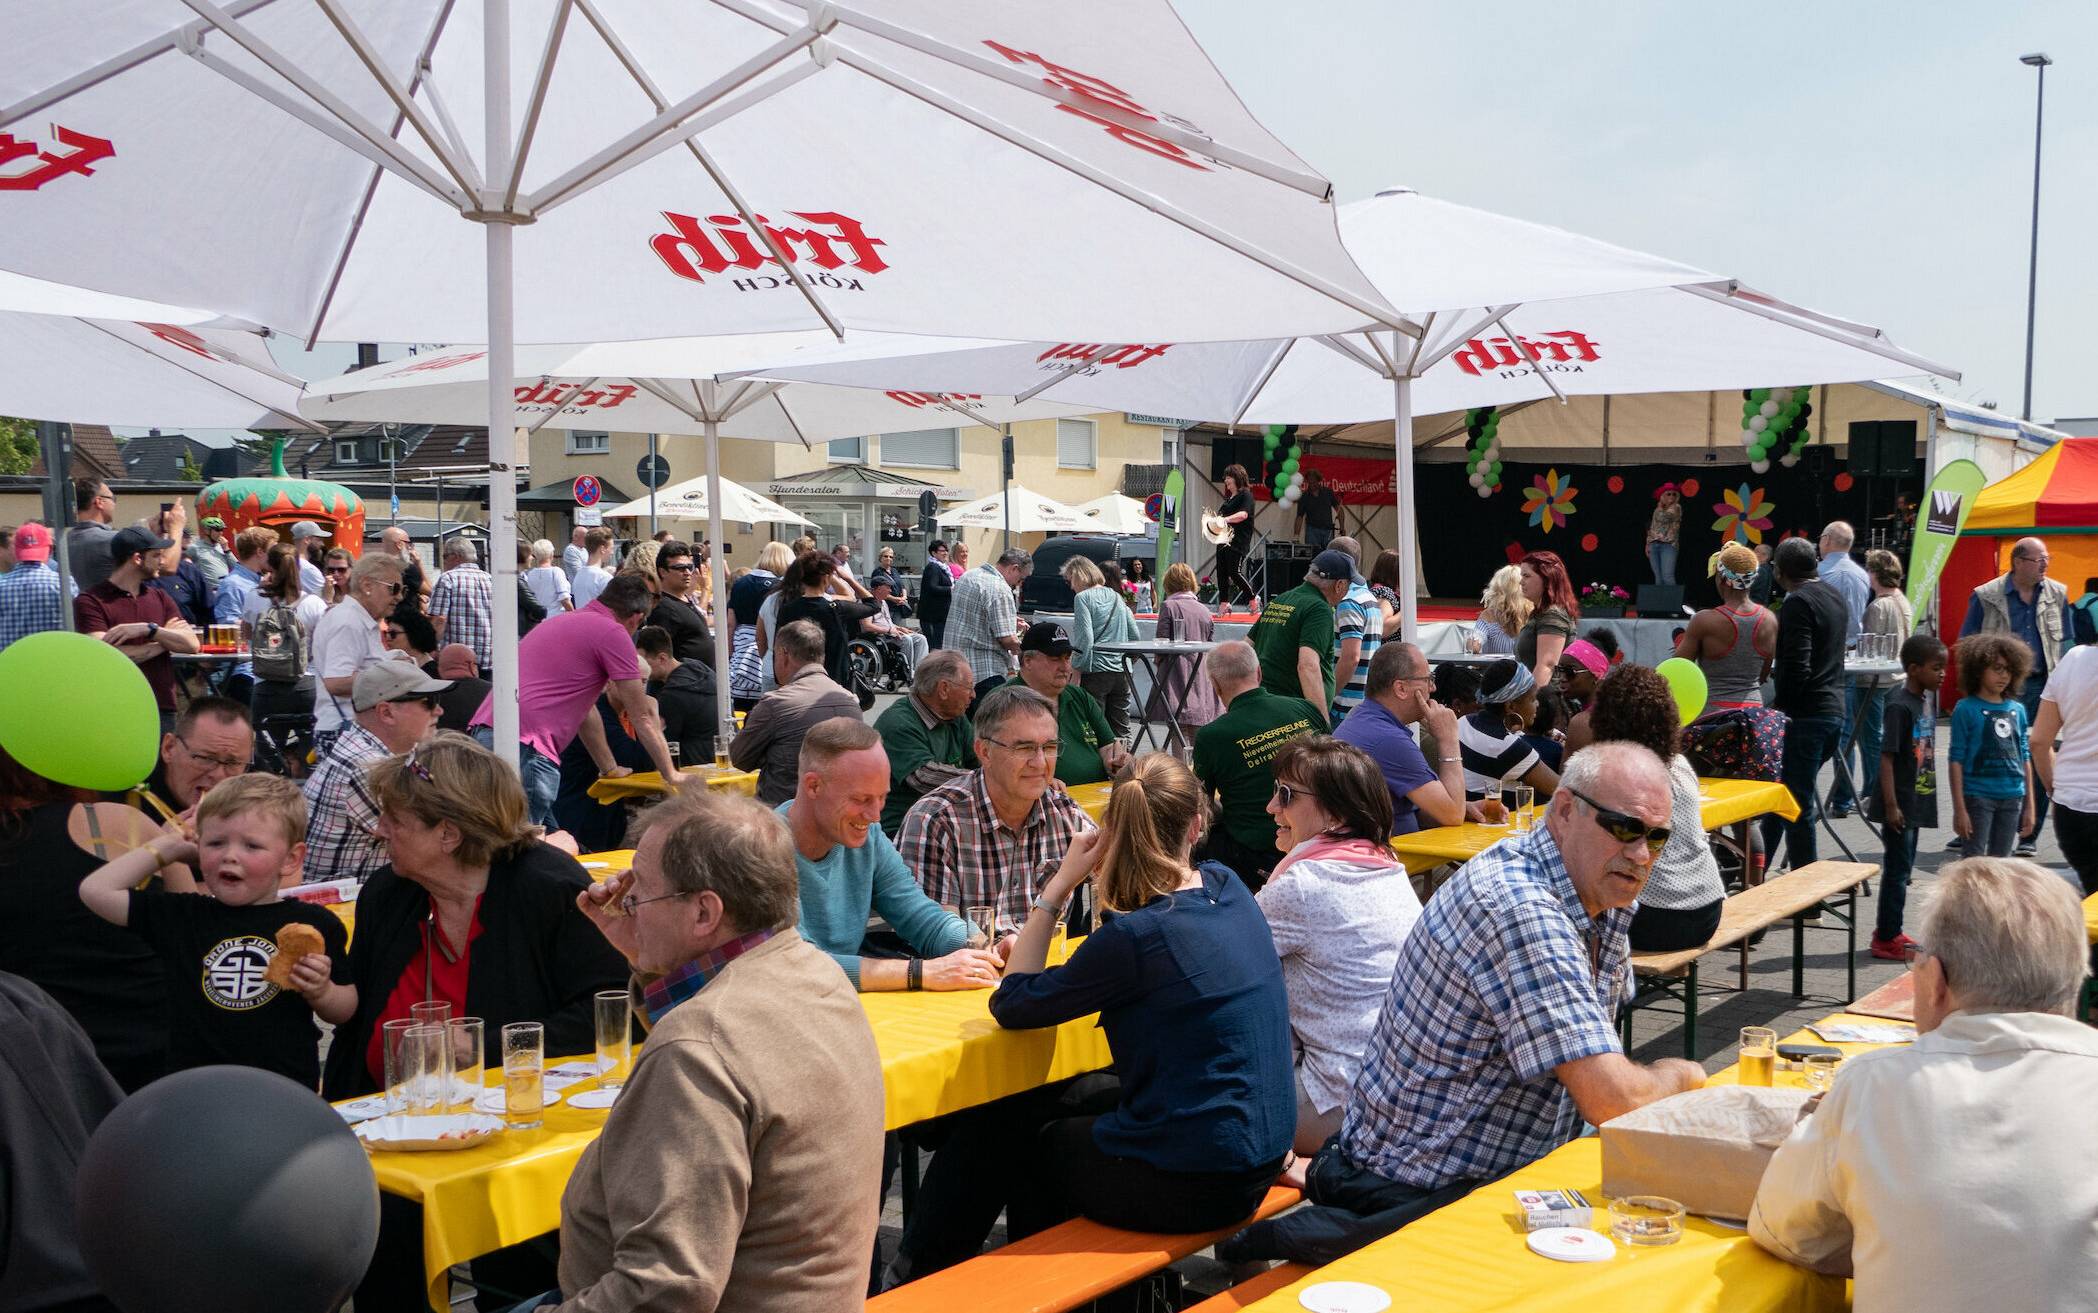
column 1498, row 1036
column 396, row 708
column 464, row 598
column 990, row 837
column 983, row 619
column 29, row 593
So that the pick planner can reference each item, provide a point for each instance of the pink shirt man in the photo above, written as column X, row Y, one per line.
column 562, row 667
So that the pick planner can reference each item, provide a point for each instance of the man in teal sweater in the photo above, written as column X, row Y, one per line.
column 848, row 869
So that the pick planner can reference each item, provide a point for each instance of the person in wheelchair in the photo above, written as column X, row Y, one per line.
column 880, row 624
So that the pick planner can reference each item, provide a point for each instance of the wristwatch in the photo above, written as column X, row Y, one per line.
column 152, row 631
column 1053, row 909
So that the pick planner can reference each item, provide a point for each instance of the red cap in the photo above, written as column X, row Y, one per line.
column 32, row 543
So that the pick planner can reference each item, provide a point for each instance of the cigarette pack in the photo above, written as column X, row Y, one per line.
column 1546, row 1208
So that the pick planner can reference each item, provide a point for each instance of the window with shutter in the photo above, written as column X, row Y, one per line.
column 1077, row 443
column 937, row 449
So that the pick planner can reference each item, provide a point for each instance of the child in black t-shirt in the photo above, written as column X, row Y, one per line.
column 1906, row 801
column 216, row 948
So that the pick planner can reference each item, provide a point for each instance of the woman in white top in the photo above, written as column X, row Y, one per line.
column 547, row 581
column 1339, row 905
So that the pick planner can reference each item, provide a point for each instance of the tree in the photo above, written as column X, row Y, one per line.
column 18, row 445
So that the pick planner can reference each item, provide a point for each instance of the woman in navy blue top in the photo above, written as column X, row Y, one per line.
column 1189, row 988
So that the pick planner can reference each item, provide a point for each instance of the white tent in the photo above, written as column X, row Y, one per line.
column 1030, row 512
column 689, row 501
column 1114, row 513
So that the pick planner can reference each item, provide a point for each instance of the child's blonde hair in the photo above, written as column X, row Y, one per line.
column 272, row 795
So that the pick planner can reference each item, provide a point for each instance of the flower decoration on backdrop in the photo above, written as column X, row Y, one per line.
column 1744, row 515
column 1549, row 499
column 1603, row 595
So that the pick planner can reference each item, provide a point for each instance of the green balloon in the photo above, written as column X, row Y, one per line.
column 1759, row 396
column 1295, row 452
column 73, row 670
column 1496, row 473
column 1276, row 431
column 1687, row 682
column 1289, row 467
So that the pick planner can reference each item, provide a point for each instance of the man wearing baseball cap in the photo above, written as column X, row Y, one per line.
column 304, row 536
column 1087, row 750
column 141, row 622
column 1294, row 635
column 396, row 707
column 210, row 551
column 30, row 593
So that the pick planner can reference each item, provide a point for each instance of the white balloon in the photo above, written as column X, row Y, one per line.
column 1296, row 480
column 1760, row 466
column 1789, row 461
column 1759, row 423
column 1749, row 437
column 1485, row 491
column 1478, row 480
column 1769, row 408
column 1782, row 396
column 1290, row 495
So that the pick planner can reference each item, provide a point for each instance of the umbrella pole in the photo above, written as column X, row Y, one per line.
column 502, row 402
column 1408, row 530
column 726, row 721
column 651, row 486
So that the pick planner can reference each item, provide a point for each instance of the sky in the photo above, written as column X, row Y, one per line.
column 1868, row 159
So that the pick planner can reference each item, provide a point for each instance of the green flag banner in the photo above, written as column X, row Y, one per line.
column 1946, row 504
column 1168, row 527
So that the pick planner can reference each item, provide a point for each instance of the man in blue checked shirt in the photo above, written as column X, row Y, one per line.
column 1498, row 1037
column 29, row 593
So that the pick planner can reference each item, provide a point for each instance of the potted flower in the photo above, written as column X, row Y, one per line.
column 1604, row 601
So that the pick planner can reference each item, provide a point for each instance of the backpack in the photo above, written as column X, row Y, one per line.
column 1737, row 743
column 278, row 648
column 2083, row 620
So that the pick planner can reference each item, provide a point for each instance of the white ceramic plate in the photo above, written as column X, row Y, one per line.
column 1344, row 1297
column 495, row 1102
column 428, row 1134
column 593, row 1099
column 1571, row 1244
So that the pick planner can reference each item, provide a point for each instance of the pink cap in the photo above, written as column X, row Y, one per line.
column 32, row 543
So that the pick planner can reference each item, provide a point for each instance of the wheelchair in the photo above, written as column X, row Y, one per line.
column 876, row 662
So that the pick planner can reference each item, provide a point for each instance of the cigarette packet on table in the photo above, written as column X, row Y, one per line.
column 1549, row 1208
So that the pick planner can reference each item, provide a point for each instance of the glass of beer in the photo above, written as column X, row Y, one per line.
column 1758, row 1055
column 721, row 747
column 524, row 1074
column 615, row 1036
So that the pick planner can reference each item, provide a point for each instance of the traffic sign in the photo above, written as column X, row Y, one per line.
column 1153, row 505
column 587, row 490
column 653, row 471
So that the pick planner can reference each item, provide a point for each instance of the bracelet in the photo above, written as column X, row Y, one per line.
column 1053, row 909
column 914, row 975
column 1447, row 760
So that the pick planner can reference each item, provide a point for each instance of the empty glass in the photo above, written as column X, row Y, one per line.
column 469, row 1038
column 1821, row 1070
column 434, row 1013
column 425, row 1060
column 615, row 1036
column 524, row 1074
column 396, row 1090
column 983, row 926
column 1522, row 798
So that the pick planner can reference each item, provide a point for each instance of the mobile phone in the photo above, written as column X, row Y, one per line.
column 1801, row 1052
column 166, row 506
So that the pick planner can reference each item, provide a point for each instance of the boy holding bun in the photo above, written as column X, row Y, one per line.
column 247, row 974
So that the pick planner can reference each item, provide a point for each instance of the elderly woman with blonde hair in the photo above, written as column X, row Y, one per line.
column 1099, row 616
column 1503, row 611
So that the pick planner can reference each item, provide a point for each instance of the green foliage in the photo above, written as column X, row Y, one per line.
column 18, row 449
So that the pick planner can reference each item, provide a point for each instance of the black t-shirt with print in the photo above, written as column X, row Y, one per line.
column 220, row 1008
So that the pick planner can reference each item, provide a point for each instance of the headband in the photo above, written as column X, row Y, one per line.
column 1522, row 683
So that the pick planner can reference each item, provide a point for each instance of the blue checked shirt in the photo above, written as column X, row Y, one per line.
column 29, row 603
column 1493, row 989
column 465, row 596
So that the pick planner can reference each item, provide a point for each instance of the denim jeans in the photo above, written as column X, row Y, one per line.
column 1350, row 1206
column 1809, row 741
column 1995, row 825
column 1661, row 558
column 1895, row 867
column 2035, row 686
column 1864, row 717
column 541, row 775
column 1317, row 538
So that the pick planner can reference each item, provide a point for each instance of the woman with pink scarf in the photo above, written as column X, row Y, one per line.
column 1339, row 906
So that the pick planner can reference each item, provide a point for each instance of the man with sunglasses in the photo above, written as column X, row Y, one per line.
column 396, row 707
column 677, row 611
column 1498, row 1038
column 347, row 640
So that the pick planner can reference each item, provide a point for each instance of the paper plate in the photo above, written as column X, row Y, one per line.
column 362, row 1110
column 1343, row 1297
column 1571, row 1244
column 594, row 1099
column 495, row 1101
column 568, row 1073
column 428, row 1134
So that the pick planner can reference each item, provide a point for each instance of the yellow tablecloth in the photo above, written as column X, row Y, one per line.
column 2090, row 918
column 1091, row 799
column 1722, row 803
column 649, row 784
column 1470, row 1257
column 940, row 1053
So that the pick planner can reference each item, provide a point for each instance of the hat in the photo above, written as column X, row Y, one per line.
column 213, row 522
column 32, row 543
column 131, row 541
column 1334, row 566
column 392, row 681
column 307, row 529
column 1047, row 637
column 1666, row 487
column 1587, row 656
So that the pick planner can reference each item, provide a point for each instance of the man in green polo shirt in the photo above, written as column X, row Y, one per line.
column 1087, row 750
column 1294, row 635
column 1232, row 756
column 927, row 734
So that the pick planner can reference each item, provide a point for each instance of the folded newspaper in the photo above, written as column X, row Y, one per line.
column 1852, row 1032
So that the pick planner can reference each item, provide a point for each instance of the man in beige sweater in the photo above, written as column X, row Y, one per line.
column 741, row 1167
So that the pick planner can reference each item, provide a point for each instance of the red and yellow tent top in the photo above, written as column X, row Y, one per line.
column 2056, row 494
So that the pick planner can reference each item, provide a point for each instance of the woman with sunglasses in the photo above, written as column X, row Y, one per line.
column 1680, row 906
column 474, row 909
column 346, row 640
column 1339, row 906
column 1197, row 1121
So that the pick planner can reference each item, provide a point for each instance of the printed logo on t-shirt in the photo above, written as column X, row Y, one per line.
column 233, row 973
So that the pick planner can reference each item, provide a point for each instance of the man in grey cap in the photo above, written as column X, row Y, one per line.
column 396, row 708
column 304, row 535
column 1294, row 635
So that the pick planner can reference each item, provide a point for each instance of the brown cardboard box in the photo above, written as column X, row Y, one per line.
column 1706, row 1149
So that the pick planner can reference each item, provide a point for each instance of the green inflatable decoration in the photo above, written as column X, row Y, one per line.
column 46, row 672
column 1687, row 682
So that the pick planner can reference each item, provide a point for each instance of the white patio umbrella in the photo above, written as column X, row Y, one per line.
column 689, row 501
column 1037, row 171
column 1114, row 513
column 93, row 358
column 1497, row 311
column 1016, row 509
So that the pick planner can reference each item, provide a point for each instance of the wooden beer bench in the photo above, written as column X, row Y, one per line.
column 1795, row 896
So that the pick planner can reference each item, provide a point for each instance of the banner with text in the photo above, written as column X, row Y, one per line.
column 1947, row 502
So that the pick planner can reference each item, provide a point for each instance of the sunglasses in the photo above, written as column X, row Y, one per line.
column 417, row 768
column 1289, row 793
column 392, row 589
column 686, row 568
column 1623, row 828
column 338, row 569
column 428, row 702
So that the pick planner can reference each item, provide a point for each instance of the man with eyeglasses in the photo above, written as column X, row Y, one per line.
column 1401, row 690
column 213, row 740
column 347, row 640
column 396, row 707
column 2025, row 602
column 677, row 612
column 1231, row 757
column 991, row 837
column 1498, row 1037
column 1087, row 749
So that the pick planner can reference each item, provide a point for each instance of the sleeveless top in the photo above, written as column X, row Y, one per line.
column 1737, row 676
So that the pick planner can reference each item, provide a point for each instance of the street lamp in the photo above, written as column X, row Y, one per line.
column 2032, row 277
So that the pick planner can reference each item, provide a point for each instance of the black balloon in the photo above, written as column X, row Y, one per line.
column 226, row 1189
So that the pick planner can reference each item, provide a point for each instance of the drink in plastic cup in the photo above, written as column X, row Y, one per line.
column 721, row 747
column 615, row 1036
column 524, row 1074
column 1758, row 1055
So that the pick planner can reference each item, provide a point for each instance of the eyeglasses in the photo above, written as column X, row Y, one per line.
column 1043, row 750
column 222, row 763
column 686, row 568
column 429, row 703
column 338, row 569
column 630, row 902
column 1289, row 793
column 1624, row 828
column 417, row 768
column 393, row 589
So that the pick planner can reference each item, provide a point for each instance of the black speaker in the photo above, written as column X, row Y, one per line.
column 1883, row 448
column 1226, row 452
column 1659, row 602
column 1287, row 564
